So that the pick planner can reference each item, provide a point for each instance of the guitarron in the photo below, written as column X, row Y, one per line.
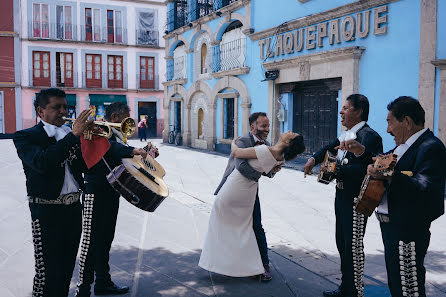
column 372, row 190
column 140, row 181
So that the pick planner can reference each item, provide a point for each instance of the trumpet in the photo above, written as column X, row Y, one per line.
column 127, row 128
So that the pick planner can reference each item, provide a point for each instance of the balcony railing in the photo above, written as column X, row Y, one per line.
column 53, row 31
column 222, row 3
column 229, row 55
column 99, row 34
column 202, row 8
column 177, row 17
column 176, row 68
column 147, row 84
column 147, row 37
column 55, row 80
column 104, row 82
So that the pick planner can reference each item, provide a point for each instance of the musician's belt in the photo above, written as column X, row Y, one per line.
column 65, row 199
column 382, row 218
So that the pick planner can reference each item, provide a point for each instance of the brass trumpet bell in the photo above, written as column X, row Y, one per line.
column 127, row 128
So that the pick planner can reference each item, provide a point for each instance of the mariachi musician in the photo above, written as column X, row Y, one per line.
column 414, row 196
column 101, row 211
column 350, row 225
column 53, row 165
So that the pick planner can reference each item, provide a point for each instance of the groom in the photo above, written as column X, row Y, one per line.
column 259, row 125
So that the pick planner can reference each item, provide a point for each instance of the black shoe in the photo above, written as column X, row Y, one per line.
column 111, row 290
column 334, row 293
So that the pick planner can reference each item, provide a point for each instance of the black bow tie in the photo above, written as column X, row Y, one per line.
column 259, row 142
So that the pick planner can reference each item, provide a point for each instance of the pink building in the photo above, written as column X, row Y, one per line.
column 97, row 53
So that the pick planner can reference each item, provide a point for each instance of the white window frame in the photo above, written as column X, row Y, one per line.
column 64, row 22
column 40, row 20
column 2, row 112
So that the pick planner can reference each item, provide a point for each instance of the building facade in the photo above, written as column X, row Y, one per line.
column 9, row 75
column 298, row 60
column 98, row 52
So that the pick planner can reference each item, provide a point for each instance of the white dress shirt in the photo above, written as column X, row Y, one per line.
column 383, row 207
column 69, row 185
column 349, row 135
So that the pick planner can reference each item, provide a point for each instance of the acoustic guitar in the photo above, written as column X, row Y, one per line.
column 372, row 190
column 140, row 180
column 328, row 170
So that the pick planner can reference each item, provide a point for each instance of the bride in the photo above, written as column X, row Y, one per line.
column 230, row 247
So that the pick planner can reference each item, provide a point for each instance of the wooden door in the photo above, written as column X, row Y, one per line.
column 315, row 112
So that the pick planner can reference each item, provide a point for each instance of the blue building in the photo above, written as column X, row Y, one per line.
column 298, row 60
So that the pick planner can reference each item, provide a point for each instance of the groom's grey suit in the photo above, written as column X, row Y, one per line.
column 247, row 171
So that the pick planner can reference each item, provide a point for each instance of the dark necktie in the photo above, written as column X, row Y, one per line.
column 259, row 142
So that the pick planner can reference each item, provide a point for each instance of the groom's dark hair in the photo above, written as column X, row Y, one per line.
column 253, row 117
column 295, row 148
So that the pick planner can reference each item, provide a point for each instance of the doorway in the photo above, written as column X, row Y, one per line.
column 149, row 109
column 315, row 113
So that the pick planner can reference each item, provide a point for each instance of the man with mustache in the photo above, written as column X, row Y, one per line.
column 414, row 196
column 350, row 225
column 259, row 125
column 53, row 166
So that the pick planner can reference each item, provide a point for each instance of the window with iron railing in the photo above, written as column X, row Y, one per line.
column 64, row 69
column 92, row 25
column 115, row 77
column 177, row 16
column 202, row 8
column 41, row 25
column 41, row 69
column 147, row 37
column 93, row 76
column 64, row 22
column 222, row 3
column 229, row 55
column 147, row 73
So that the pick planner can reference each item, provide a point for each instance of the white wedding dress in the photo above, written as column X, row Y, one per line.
column 230, row 247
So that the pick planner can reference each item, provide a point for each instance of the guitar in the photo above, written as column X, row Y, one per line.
column 372, row 190
column 328, row 169
column 140, row 180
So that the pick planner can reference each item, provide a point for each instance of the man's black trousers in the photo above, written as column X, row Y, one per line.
column 56, row 234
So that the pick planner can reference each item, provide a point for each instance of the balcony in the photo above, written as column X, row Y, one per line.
column 52, row 31
column 177, row 17
column 176, row 68
column 57, row 79
column 147, row 37
column 145, row 84
column 222, row 3
column 107, row 81
column 201, row 8
column 100, row 34
column 228, row 56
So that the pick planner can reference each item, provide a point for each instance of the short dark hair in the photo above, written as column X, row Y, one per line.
column 117, row 108
column 295, row 148
column 360, row 101
column 407, row 106
column 254, row 116
column 43, row 97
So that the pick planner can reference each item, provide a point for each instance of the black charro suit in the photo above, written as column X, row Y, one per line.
column 413, row 203
column 56, row 227
column 105, row 206
column 350, row 225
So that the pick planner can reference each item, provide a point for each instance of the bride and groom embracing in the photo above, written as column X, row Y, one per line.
column 235, row 243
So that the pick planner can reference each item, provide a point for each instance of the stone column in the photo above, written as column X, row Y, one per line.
column 428, row 46
column 166, row 116
column 441, row 64
column 246, row 112
column 211, row 136
column 187, row 119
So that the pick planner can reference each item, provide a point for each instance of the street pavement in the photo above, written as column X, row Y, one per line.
column 156, row 254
